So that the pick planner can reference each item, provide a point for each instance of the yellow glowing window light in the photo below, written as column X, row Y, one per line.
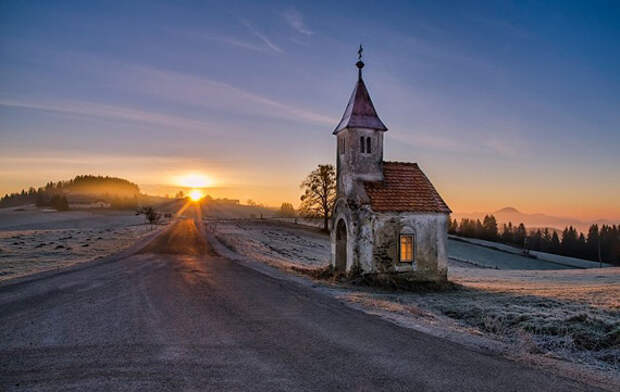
column 406, row 248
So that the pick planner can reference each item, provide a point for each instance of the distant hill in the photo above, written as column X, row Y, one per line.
column 99, row 185
column 507, row 210
column 536, row 220
column 118, row 192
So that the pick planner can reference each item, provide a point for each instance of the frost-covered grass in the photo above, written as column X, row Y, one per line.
column 571, row 331
column 568, row 314
column 557, row 260
column 490, row 258
column 273, row 242
column 32, row 240
column 567, row 329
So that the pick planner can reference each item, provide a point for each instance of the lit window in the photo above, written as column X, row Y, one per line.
column 406, row 248
column 362, row 144
column 368, row 149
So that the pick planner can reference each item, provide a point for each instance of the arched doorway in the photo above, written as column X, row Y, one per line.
column 341, row 246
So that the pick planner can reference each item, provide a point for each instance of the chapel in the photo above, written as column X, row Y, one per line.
column 387, row 218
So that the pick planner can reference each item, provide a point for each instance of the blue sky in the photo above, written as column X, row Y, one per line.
column 502, row 103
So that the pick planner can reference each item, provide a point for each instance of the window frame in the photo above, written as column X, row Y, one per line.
column 400, row 253
column 368, row 145
column 362, row 144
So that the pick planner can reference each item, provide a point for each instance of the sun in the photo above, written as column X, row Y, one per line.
column 196, row 194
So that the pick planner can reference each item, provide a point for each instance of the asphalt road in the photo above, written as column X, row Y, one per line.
column 177, row 317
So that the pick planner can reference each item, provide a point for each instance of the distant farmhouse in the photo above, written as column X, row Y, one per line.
column 388, row 218
column 85, row 201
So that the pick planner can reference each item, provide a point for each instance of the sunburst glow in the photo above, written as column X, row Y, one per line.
column 194, row 180
column 196, row 194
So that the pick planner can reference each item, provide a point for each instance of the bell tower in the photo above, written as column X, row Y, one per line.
column 359, row 155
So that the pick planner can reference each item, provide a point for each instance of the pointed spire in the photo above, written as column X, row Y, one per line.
column 360, row 112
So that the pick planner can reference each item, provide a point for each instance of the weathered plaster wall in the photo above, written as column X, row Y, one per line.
column 353, row 165
column 373, row 240
column 430, row 236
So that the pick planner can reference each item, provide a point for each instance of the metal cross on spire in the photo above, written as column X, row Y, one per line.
column 360, row 63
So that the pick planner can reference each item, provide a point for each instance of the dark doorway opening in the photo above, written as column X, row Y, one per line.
column 341, row 246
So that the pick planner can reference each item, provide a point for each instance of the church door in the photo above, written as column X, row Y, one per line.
column 341, row 246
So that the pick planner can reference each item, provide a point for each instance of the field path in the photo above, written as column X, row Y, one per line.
column 177, row 317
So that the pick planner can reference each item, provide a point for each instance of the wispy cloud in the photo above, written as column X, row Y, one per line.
column 484, row 143
column 91, row 109
column 234, row 42
column 295, row 19
column 227, row 101
column 223, row 97
column 219, row 38
column 261, row 36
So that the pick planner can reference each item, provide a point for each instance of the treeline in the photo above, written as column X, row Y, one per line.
column 42, row 197
column 603, row 241
column 89, row 184
column 120, row 193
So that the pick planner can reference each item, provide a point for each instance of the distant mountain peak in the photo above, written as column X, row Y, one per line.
column 507, row 210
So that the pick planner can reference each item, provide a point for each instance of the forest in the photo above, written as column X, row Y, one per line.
column 598, row 244
column 120, row 193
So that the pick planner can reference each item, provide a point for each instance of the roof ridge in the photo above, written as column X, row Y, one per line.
column 402, row 163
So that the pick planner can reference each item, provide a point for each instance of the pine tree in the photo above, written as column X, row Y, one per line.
column 555, row 243
column 520, row 235
column 489, row 226
column 507, row 233
column 593, row 243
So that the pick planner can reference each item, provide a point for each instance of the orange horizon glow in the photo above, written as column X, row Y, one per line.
column 464, row 192
column 194, row 180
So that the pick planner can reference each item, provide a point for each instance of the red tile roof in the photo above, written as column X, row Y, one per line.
column 405, row 188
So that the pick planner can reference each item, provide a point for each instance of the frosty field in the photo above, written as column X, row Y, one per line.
column 34, row 240
column 556, row 261
column 480, row 256
column 274, row 243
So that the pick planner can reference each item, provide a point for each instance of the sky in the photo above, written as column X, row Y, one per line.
column 501, row 103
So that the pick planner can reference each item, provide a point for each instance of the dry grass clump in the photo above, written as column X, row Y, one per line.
column 396, row 282
column 540, row 324
column 320, row 273
column 403, row 282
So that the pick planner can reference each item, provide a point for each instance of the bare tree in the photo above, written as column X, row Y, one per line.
column 150, row 214
column 319, row 193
